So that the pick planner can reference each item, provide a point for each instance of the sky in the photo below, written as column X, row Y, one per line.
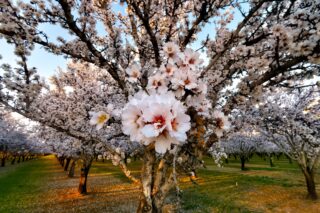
column 47, row 63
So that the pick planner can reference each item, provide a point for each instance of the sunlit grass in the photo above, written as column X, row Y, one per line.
column 42, row 186
column 21, row 186
column 227, row 189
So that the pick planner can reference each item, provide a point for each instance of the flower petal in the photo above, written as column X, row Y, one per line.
column 162, row 146
column 149, row 131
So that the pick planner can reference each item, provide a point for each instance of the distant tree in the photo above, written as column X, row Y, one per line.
column 292, row 122
column 15, row 140
column 269, row 149
column 243, row 144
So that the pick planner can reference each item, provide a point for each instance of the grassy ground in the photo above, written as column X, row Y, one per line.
column 261, row 188
column 42, row 186
column 22, row 183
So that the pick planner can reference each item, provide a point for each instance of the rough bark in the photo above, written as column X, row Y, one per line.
column 71, row 170
column 156, row 180
column 84, row 176
column 159, row 197
column 311, row 186
column 145, row 205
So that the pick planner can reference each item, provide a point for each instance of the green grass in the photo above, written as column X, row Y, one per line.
column 107, row 168
column 220, row 189
column 21, row 185
column 258, row 163
column 217, row 192
column 25, row 188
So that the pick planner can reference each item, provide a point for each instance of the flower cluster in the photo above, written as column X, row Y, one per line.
column 221, row 123
column 179, row 73
column 158, row 114
column 156, row 118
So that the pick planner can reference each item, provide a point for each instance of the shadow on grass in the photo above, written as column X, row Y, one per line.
column 108, row 169
column 219, row 191
column 19, row 187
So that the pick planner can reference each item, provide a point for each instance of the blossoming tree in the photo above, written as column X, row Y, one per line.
column 243, row 145
column 293, row 123
column 70, row 104
column 171, row 99
column 16, row 142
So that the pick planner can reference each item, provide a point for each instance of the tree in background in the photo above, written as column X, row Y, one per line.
column 292, row 122
column 70, row 104
column 243, row 144
column 16, row 142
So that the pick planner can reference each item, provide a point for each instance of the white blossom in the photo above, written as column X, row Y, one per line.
column 156, row 118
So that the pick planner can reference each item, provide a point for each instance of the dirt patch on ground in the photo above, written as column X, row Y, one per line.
column 105, row 194
column 279, row 199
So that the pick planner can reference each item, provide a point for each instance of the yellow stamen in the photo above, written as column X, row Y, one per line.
column 103, row 118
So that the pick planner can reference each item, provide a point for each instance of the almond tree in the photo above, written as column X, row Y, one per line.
column 69, row 105
column 293, row 123
column 15, row 140
column 243, row 144
column 171, row 100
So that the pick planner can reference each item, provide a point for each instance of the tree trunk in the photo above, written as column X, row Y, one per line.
column 311, row 186
column 156, row 181
column 243, row 161
column 61, row 159
column 3, row 162
column 67, row 164
column 13, row 160
column 145, row 205
column 84, row 176
column 271, row 161
column 71, row 170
